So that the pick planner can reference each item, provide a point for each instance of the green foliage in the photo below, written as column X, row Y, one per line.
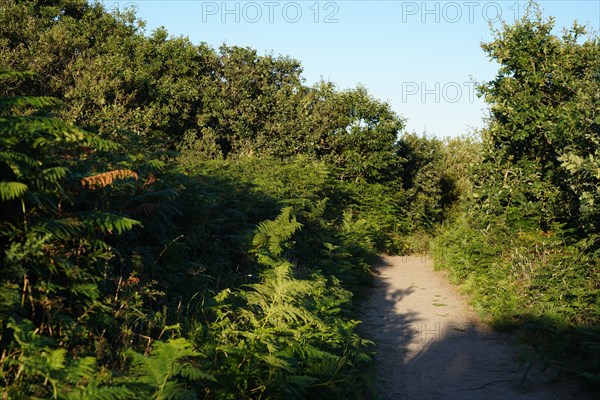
column 169, row 371
column 281, row 337
column 54, row 250
column 115, row 300
column 12, row 190
column 525, row 243
column 362, row 143
column 544, row 104
column 44, row 371
column 203, row 232
column 271, row 237
column 229, row 102
column 541, row 284
column 424, row 177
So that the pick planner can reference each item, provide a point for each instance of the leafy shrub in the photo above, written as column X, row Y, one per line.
column 525, row 243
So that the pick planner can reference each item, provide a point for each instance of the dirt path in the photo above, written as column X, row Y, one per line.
column 431, row 346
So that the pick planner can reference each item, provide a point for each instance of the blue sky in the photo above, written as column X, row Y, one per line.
column 420, row 56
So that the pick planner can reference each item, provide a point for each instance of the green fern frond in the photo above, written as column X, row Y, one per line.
column 276, row 295
column 36, row 358
column 16, row 160
column 55, row 359
column 12, row 190
column 11, row 74
column 100, row 144
column 69, row 228
column 310, row 352
column 20, row 102
column 108, row 223
column 63, row 229
column 175, row 391
column 166, row 362
column 272, row 235
column 57, row 376
column 154, row 164
column 193, row 373
column 43, row 130
column 277, row 362
column 53, row 174
column 88, row 290
column 92, row 391
column 83, row 368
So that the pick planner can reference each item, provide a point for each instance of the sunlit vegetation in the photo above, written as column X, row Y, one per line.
column 526, row 243
column 181, row 222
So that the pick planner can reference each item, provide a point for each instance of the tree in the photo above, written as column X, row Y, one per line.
column 544, row 107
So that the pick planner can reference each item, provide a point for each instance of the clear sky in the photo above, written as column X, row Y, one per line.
column 420, row 56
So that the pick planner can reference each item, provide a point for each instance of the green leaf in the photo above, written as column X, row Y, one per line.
column 109, row 222
column 12, row 190
column 39, row 103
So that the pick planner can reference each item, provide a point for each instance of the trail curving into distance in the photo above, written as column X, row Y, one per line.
column 430, row 345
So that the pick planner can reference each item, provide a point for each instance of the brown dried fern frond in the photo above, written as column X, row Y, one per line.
column 107, row 178
column 150, row 180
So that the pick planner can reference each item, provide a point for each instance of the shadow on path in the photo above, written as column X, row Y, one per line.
column 429, row 345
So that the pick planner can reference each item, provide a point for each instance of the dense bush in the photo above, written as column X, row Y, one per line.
column 227, row 271
column 159, row 90
column 526, row 243
column 99, row 304
column 204, row 232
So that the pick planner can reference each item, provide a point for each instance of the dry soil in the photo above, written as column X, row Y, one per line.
column 430, row 345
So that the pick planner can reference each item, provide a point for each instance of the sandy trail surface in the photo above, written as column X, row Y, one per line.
column 430, row 345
